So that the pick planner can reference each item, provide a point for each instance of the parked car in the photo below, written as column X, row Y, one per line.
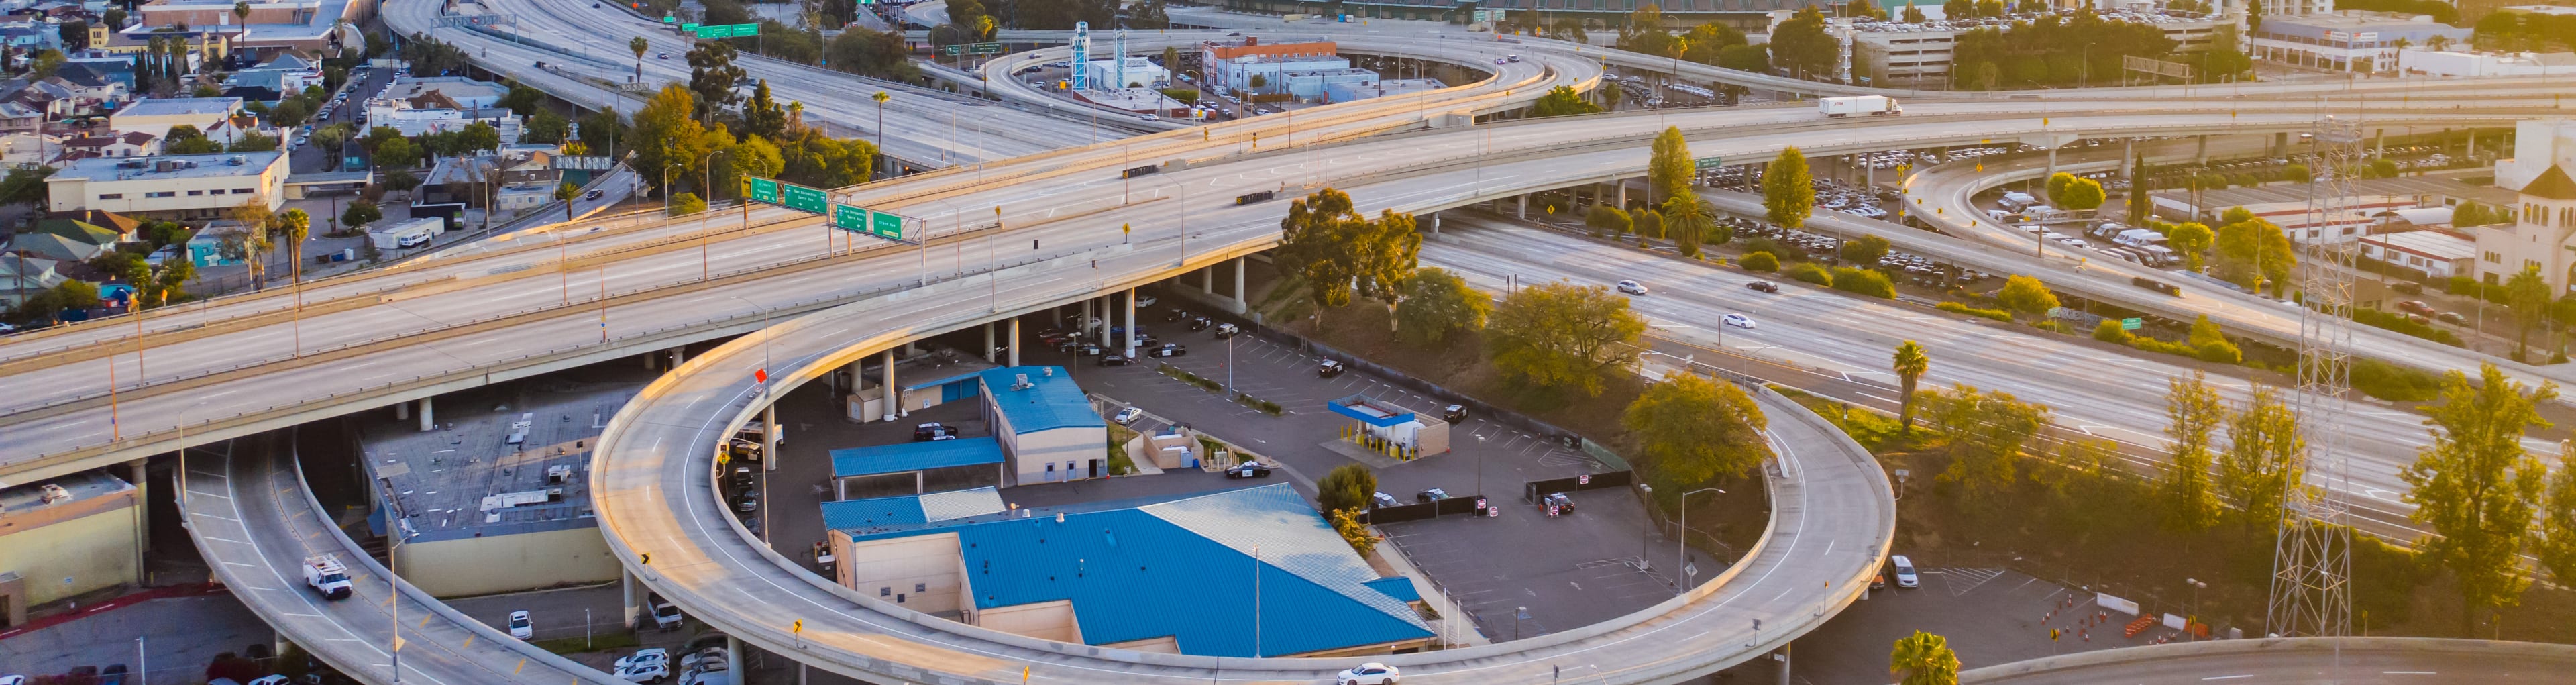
column 1127, row 416
column 1116, row 360
column 1382, row 500
column 1372, row 673
column 1330, row 368
column 1168, row 350
column 643, row 657
column 520, row 627
column 1227, row 330
column 1904, row 571
column 1431, row 495
column 1764, row 286
column 933, row 431
column 1737, row 320
column 661, row 55
column 1249, row 469
column 667, row 616
column 593, row 194
column 1878, row 582
column 1200, row 323
column 1453, row 413
column 2452, row 318
column 2415, row 307
column 747, row 502
column 1632, row 287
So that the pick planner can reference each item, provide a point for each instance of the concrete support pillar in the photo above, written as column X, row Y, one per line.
column 626, row 581
column 1239, row 298
column 402, row 410
column 2128, row 171
column 988, row 341
column 1131, row 323
column 2052, row 164
column 1014, row 342
column 648, row 361
column 679, row 355
column 733, row 658
column 1524, row 206
column 142, row 523
column 2202, row 155
column 1207, row 280
column 769, row 444
column 1784, row 662
column 892, row 400
column 1435, row 220
column 1623, row 193
column 1085, row 325
column 425, row 423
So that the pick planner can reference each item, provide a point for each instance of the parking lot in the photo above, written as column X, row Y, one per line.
column 1990, row 616
column 1584, row 571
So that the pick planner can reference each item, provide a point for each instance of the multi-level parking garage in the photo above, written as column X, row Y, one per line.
column 411, row 333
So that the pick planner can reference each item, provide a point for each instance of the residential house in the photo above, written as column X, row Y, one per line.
column 157, row 116
column 29, row 149
column 55, row 247
column 18, row 118
column 520, row 179
column 26, row 37
column 283, row 74
column 128, row 144
column 206, row 246
column 22, row 277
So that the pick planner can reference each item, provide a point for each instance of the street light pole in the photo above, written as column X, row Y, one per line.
column 1681, row 542
column 707, row 170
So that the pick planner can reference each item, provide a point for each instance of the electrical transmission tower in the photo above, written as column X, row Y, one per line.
column 2312, row 558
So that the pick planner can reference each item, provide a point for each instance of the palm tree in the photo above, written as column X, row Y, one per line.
column 1924, row 659
column 567, row 193
column 296, row 226
column 1910, row 364
column 881, row 97
column 639, row 45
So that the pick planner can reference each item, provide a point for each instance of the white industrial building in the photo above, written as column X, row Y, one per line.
column 1047, row 428
column 1124, row 72
column 2357, row 42
column 157, row 116
column 1898, row 53
column 2416, row 61
column 2436, row 255
column 175, row 187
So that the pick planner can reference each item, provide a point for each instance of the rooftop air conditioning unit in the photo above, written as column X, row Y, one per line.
column 1021, row 382
column 54, row 493
column 558, row 474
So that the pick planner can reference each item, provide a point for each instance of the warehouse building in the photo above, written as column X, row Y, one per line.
column 1047, row 428
column 1139, row 577
column 65, row 536
column 172, row 187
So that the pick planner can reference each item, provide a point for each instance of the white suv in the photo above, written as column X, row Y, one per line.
column 1371, row 673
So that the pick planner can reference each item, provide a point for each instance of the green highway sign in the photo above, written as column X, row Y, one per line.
column 849, row 218
column 2132, row 323
column 764, row 190
column 808, row 199
column 728, row 31
column 886, row 225
column 951, row 50
column 667, row 19
column 984, row 49
column 1707, row 163
column 690, row 27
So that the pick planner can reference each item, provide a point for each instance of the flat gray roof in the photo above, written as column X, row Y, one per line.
column 191, row 166
column 2403, row 185
column 465, row 480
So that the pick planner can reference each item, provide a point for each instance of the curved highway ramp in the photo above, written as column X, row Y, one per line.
column 2297, row 661
column 249, row 511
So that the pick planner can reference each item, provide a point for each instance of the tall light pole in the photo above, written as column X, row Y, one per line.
column 708, row 173
column 1681, row 542
column 393, row 584
column 881, row 97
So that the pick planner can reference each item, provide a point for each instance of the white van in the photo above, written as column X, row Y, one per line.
column 1904, row 571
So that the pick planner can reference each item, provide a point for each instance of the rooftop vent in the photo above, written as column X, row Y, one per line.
column 1059, row 516
column 1050, row 372
column 55, row 493
column 1020, row 382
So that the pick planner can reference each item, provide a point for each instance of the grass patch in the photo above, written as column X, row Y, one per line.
column 1266, row 406
column 612, row 640
column 1119, row 463
column 1957, row 308
column 2394, row 383
column 1191, row 378
column 1876, row 432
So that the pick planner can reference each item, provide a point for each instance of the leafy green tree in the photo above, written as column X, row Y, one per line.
column 1753, row 58
column 1864, row 282
column 1865, row 250
column 685, row 204
column 1923, row 658
column 1760, row 262
column 1647, row 222
column 2476, row 486
column 546, row 127
column 2297, row 173
column 2142, row 204
column 2194, row 413
column 1437, row 304
column 668, row 140
column 867, row 52
column 398, row 153
column 1788, row 195
column 187, row 140
column 1644, row 32
column 1801, row 45
column 2192, row 239
column 2211, row 344
column 360, row 213
column 170, row 281
column 2556, row 545
column 2264, row 457
column 712, row 75
column 1692, row 430
column 253, row 142
column 1562, row 101
column 1340, row 253
column 1348, row 487
column 2528, row 294
column 1811, row 273
column 1909, row 363
column 1346, row 522
column 2078, row 195
column 2026, row 295
column 1911, row 15
column 1987, row 431
column 1607, row 219
column 1560, row 336
column 25, row 185
column 2255, row 254
column 762, row 116
column 1670, row 168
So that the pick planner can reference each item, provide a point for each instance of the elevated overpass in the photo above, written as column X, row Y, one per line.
column 2295, row 661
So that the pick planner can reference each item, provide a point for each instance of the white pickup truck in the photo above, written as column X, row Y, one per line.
column 327, row 577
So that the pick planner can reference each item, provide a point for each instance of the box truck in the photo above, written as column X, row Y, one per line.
column 1858, row 104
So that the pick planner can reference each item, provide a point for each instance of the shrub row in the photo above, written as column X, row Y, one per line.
column 1957, row 308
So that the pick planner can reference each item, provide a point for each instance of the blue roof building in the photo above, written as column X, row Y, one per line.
column 1139, row 577
column 1047, row 427
column 916, row 467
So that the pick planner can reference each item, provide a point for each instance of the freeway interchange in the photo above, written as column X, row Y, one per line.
column 1015, row 232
